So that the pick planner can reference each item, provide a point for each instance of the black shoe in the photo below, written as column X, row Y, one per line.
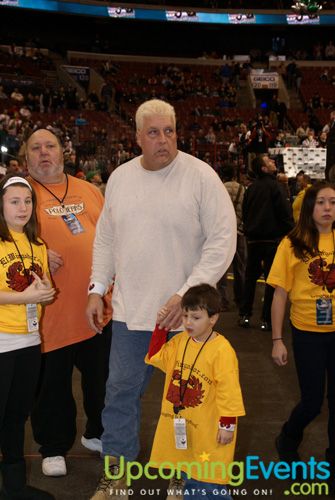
column 266, row 327
column 330, row 457
column 14, row 486
column 244, row 321
column 26, row 493
column 287, row 447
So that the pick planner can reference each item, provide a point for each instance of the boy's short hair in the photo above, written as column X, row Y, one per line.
column 202, row 296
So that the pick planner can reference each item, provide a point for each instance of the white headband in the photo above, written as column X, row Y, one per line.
column 16, row 180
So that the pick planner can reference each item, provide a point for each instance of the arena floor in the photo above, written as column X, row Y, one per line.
column 269, row 394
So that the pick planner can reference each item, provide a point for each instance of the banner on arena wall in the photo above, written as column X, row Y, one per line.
column 10, row 3
column 79, row 73
column 264, row 80
column 311, row 160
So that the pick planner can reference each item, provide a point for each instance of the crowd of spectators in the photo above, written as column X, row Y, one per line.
column 210, row 124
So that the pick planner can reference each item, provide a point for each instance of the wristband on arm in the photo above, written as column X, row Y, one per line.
column 158, row 339
column 227, row 423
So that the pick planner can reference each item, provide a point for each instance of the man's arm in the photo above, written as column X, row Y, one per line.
column 218, row 222
column 102, row 267
column 102, row 262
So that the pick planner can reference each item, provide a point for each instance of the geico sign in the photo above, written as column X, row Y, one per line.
column 264, row 78
column 77, row 71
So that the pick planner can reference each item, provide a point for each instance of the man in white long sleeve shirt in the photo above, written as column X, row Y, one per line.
column 167, row 224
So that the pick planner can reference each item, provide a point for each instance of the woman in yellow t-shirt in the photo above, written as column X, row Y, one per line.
column 24, row 286
column 304, row 271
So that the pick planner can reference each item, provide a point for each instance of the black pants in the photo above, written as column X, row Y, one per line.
column 259, row 259
column 239, row 264
column 314, row 355
column 19, row 371
column 54, row 413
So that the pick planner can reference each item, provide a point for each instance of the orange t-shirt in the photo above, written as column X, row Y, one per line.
column 64, row 321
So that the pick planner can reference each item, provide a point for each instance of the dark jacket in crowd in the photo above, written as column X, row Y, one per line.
column 267, row 213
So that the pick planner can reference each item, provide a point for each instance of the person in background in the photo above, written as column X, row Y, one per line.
column 267, row 217
column 311, row 140
column 330, row 129
column 303, row 183
column 236, row 193
column 168, row 224
column 303, row 272
column 24, row 287
column 14, row 167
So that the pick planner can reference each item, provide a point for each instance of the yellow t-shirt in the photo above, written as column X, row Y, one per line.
column 212, row 391
column 304, row 282
column 297, row 203
column 13, row 317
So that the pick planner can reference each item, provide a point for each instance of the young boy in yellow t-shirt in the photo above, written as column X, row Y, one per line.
column 202, row 395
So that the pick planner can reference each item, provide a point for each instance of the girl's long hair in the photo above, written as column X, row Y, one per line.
column 305, row 236
column 31, row 228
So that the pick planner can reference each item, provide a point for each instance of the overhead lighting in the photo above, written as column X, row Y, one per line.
column 306, row 7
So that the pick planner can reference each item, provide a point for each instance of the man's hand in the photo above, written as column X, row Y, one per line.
column 94, row 312
column 55, row 261
column 173, row 317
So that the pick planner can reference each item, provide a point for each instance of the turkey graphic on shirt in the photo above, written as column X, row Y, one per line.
column 322, row 274
column 193, row 395
column 16, row 276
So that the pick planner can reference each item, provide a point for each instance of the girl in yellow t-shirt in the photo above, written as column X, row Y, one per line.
column 24, row 286
column 304, row 271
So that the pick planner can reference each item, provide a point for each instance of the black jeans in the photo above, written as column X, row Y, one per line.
column 19, row 371
column 314, row 356
column 54, row 414
column 259, row 259
column 239, row 264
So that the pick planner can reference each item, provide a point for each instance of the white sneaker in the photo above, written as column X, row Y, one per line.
column 54, row 466
column 93, row 444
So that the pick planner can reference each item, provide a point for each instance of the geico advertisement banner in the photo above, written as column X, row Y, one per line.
column 264, row 80
column 79, row 73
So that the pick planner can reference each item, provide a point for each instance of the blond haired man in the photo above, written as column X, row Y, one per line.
column 167, row 224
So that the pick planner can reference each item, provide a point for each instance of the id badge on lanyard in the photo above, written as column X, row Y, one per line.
column 32, row 317
column 73, row 223
column 180, row 435
column 324, row 311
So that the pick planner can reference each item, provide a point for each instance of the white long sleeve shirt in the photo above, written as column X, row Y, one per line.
column 161, row 232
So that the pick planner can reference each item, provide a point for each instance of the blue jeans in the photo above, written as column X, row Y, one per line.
column 127, row 381
column 198, row 490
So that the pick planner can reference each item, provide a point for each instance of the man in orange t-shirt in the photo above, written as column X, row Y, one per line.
column 68, row 209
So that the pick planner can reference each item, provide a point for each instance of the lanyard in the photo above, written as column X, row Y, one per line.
column 60, row 200
column 325, row 279
column 26, row 271
column 180, row 406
